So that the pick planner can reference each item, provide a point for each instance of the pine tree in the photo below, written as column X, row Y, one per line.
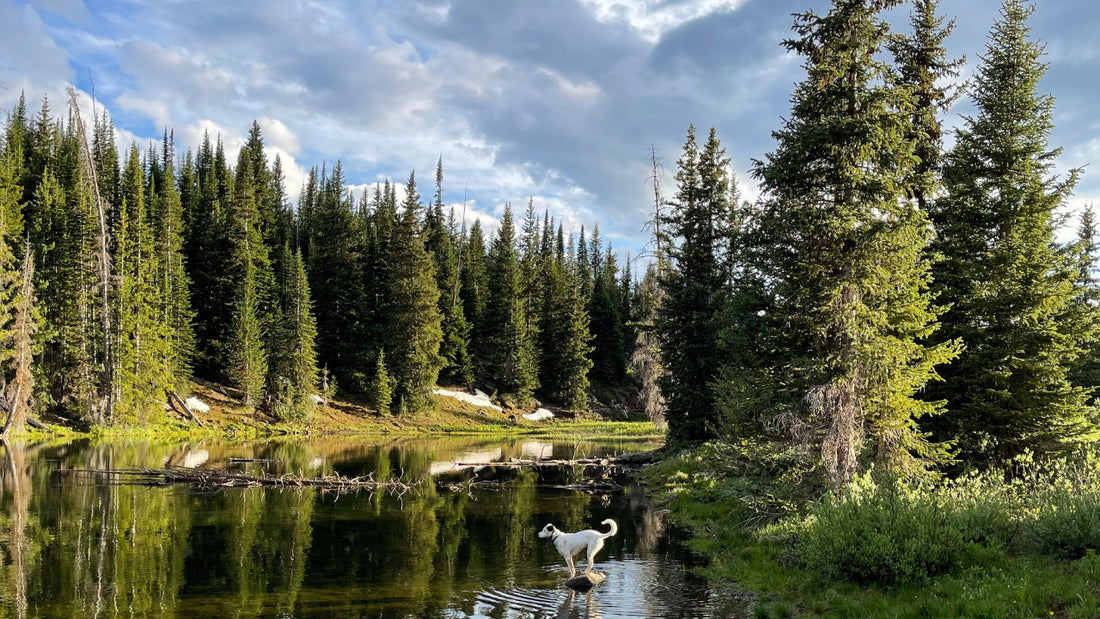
column 336, row 269
column 474, row 291
column 1009, row 288
column 296, row 358
column 692, row 286
column 173, row 287
column 511, row 359
column 380, row 391
column 414, row 332
column 923, row 66
column 439, row 242
column 843, row 256
column 250, row 270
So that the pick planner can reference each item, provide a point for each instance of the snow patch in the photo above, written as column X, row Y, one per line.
column 478, row 399
column 538, row 415
column 197, row 405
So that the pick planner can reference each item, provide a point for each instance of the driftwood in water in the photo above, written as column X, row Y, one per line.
column 638, row 459
column 172, row 395
column 212, row 478
column 585, row 582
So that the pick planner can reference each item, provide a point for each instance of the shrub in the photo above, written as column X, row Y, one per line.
column 880, row 534
column 1069, row 526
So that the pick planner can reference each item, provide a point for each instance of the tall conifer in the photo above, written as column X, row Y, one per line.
column 414, row 332
column 1009, row 288
column 843, row 255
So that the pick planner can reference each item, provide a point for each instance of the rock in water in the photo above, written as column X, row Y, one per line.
column 585, row 582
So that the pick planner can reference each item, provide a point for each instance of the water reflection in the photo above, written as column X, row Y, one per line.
column 90, row 547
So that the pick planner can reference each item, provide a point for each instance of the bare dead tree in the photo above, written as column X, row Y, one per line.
column 103, row 268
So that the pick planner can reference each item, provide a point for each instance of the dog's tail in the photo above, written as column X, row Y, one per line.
column 614, row 528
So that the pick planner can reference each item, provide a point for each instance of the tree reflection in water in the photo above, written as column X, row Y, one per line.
column 101, row 547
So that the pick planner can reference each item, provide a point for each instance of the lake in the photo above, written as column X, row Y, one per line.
column 104, row 546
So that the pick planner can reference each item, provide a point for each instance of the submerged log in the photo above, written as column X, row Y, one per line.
column 210, row 478
column 585, row 582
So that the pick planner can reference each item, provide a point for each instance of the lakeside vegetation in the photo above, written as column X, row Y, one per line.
column 899, row 392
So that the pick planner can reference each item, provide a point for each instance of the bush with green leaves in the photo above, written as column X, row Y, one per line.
column 882, row 534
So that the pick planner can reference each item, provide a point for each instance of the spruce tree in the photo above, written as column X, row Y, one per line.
column 173, row 287
column 474, row 291
column 605, row 309
column 842, row 252
column 564, row 331
column 380, row 390
column 250, row 270
column 1085, row 372
column 16, row 322
column 296, row 359
column 691, row 287
column 923, row 66
column 1009, row 288
column 511, row 359
column 336, row 272
column 440, row 243
column 141, row 372
column 414, row 332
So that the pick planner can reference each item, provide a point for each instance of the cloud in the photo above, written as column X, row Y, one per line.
column 556, row 100
column 651, row 19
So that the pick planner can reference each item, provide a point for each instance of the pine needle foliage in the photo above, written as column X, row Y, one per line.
column 844, row 262
column 1009, row 287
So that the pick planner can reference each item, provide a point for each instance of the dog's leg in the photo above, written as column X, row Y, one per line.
column 572, row 568
column 592, row 550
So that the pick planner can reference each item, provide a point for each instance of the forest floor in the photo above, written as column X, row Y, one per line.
column 228, row 418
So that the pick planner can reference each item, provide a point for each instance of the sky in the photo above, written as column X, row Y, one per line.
column 559, row 101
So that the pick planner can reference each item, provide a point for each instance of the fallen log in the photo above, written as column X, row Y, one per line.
column 34, row 423
column 212, row 478
column 260, row 460
column 172, row 395
column 623, row 460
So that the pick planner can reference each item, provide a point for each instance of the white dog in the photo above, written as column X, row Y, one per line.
column 569, row 544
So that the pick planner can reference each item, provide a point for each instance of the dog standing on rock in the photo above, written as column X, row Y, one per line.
column 569, row 544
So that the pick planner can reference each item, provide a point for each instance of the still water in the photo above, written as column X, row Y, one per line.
column 94, row 546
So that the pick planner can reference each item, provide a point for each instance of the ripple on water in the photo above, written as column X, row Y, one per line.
column 635, row 588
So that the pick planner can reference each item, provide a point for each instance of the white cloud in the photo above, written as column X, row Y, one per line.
column 653, row 18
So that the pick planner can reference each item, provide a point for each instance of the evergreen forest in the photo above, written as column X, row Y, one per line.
column 888, row 301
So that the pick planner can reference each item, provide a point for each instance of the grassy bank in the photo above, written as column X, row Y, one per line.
column 1021, row 542
column 228, row 419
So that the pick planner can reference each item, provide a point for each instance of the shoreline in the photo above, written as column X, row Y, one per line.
column 342, row 418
